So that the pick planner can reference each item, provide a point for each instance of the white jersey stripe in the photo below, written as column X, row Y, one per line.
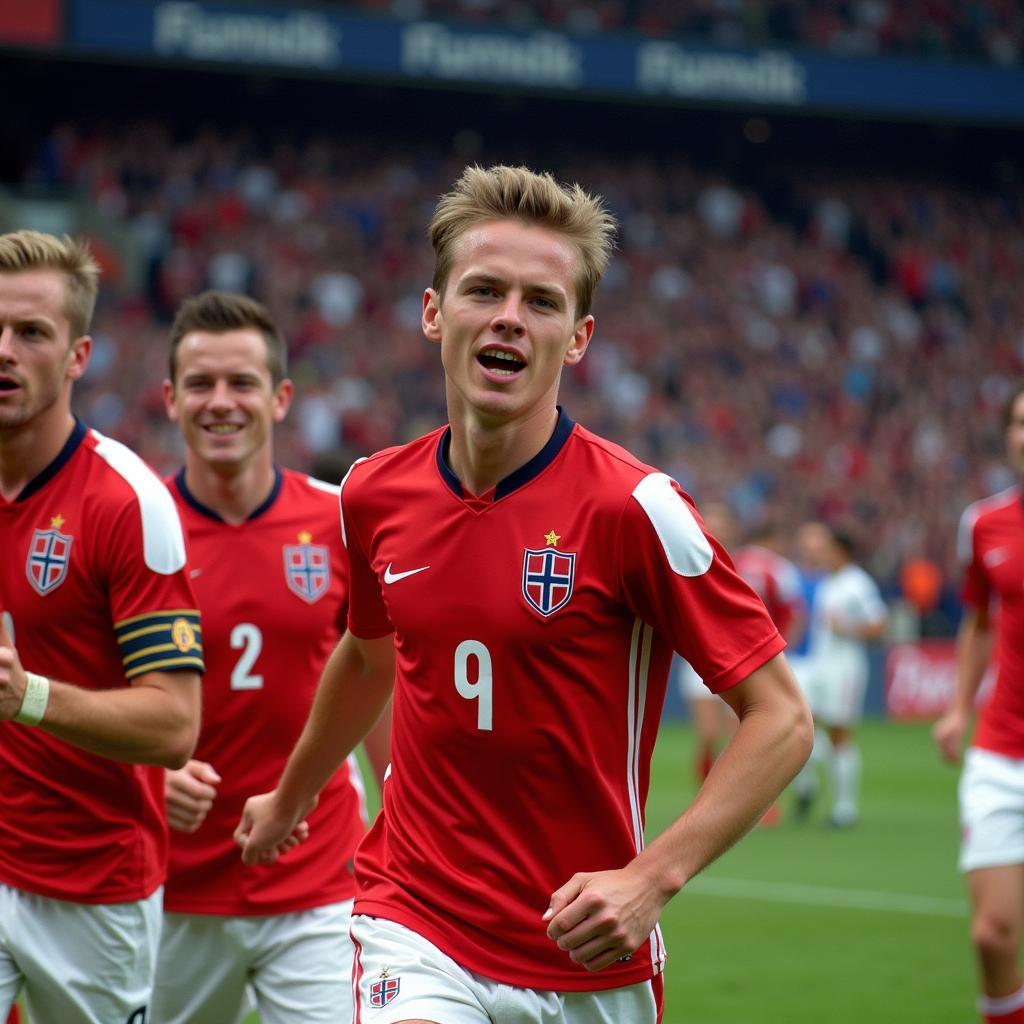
column 641, row 706
column 640, row 647
column 341, row 494
column 633, row 732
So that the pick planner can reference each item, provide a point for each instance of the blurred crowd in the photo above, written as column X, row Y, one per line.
column 990, row 30
column 817, row 346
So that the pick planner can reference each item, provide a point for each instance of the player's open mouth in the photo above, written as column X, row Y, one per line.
column 6, row 384
column 222, row 428
column 500, row 362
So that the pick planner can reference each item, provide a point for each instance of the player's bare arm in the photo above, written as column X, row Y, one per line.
column 189, row 793
column 602, row 916
column 973, row 649
column 155, row 720
column 353, row 692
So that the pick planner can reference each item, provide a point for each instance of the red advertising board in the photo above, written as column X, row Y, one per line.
column 31, row 22
column 919, row 679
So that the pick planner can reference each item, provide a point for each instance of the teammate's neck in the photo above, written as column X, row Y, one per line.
column 27, row 450
column 482, row 454
column 235, row 492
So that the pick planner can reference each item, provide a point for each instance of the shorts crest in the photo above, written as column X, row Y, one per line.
column 548, row 576
column 384, row 990
column 49, row 553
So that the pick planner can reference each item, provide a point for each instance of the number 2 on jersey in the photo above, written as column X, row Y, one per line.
column 248, row 639
column 480, row 691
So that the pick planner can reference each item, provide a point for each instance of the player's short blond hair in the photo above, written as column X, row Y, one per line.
column 219, row 312
column 33, row 250
column 517, row 193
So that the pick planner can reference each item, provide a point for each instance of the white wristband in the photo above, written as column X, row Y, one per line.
column 37, row 696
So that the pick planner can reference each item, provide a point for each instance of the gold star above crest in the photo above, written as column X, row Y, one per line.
column 57, row 521
column 305, row 536
column 552, row 539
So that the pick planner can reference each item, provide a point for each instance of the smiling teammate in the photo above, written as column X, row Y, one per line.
column 534, row 580
column 271, row 577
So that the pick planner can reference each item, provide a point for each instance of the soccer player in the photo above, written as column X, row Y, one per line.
column 991, row 547
column 533, row 579
column 100, row 657
column 848, row 614
column 270, row 573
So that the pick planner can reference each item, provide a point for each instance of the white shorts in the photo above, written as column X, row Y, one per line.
column 79, row 963
column 399, row 975
column 298, row 965
column 834, row 690
column 991, row 810
column 691, row 686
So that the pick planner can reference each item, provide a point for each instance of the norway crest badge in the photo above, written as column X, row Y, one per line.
column 307, row 570
column 547, row 578
column 49, row 553
column 383, row 990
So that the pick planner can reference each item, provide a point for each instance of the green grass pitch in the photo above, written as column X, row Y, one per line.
column 801, row 923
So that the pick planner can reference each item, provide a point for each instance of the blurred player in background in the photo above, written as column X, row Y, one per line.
column 991, row 547
column 713, row 720
column 848, row 614
column 777, row 582
column 270, row 573
column 103, row 686
column 812, row 541
column 533, row 579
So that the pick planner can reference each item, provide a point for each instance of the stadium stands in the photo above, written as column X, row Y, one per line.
column 820, row 345
column 990, row 30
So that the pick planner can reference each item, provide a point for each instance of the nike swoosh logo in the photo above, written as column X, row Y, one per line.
column 394, row 577
column 193, row 573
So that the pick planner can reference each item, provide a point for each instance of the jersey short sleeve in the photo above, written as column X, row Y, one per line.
column 367, row 614
column 155, row 620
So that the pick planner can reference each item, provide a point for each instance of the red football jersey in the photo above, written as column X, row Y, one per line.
column 991, row 547
column 274, row 599
column 93, row 578
column 775, row 580
column 533, row 635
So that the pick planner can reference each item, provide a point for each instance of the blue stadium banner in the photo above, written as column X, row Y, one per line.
column 339, row 43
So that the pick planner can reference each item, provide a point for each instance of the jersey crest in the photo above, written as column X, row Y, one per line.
column 547, row 578
column 384, row 990
column 49, row 553
column 307, row 570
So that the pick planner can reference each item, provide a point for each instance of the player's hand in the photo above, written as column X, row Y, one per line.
column 266, row 831
column 603, row 916
column 189, row 794
column 12, row 676
column 948, row 733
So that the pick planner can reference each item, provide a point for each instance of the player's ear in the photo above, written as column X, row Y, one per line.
column 432, row 319
column 170, row 401
column 283, row 393
column 78, row 357
column 580, row 340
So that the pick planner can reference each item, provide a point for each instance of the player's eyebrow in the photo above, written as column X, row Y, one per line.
column 547, row 291
column 40, row 323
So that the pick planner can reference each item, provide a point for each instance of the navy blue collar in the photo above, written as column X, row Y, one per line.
column 191, row 499
column 76, row 437
column 524, row 474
